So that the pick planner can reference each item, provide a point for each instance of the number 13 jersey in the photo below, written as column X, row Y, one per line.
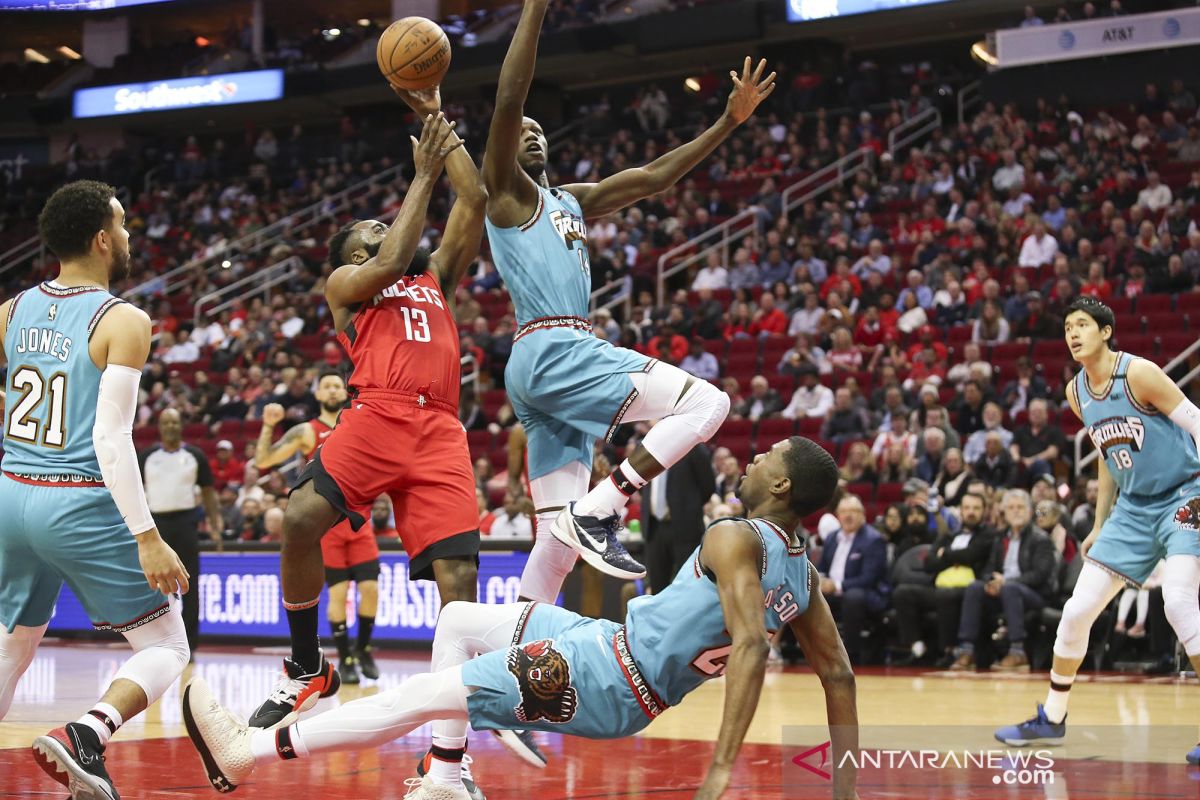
column 1147, row 454
column 406, row 340
column 52, row 384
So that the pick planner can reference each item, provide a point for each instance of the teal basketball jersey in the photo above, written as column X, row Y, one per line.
column 52, row 383
column 544, row 263
column 1146, row 453
column 678, row 637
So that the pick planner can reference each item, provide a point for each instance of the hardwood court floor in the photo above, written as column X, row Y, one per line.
column 151, row 757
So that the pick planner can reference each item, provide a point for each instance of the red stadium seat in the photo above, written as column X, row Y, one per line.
column 1173, row 343
column 1155, row 303
column 809, row 426
column 773, row 429
column 889, row 493
column 736, row 427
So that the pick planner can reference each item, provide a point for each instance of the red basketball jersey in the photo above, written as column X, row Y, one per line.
column 405, row 340
column 322, row 432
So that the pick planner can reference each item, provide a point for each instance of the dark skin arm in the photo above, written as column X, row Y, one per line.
column 352, row 284
column 817, row 634
column 464, row 229
column 512, row 194
column 516, row 460
column 733, row 553
column 629, row 186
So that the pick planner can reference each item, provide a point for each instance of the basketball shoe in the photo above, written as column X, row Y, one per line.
column 524, row 746
column 1035, row 730
column 73, row 756
column 473, row 791
column 296, row 692
column 1193, row 756
column 221, row 739
column 347, row 670
column 595, row 540
column 366, row 662
column 426, row 789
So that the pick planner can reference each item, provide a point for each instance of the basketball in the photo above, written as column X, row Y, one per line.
column 413, row 53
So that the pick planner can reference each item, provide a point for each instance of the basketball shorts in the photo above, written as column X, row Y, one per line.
column 73, row 534
column 413, row 449
column 349, row 554
column 562, row 675
column 1143, row 529
column 568, row 388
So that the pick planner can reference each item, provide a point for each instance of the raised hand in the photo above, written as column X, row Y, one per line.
column 272, row 414
column 748, row 90
column 437, row 141
column 423, row 101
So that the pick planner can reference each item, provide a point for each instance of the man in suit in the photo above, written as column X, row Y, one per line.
column 673, row 514
column 853, row 572
column 1019, row 577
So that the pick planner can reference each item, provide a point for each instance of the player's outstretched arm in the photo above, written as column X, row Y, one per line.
column 299, row 439
column 629, row 186
column 350, row 285
column 817, row 635
column 119, row 347
column 509, row 188
column 733, row 553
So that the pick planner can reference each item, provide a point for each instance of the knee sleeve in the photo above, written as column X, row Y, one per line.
column 16, row 654
column 684, row 418
column 160, row 653
column 465, row 630
column 1181, row 585
column 1094, row 590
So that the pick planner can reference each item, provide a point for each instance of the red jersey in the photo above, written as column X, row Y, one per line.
column 405, row 340
column 321, row 431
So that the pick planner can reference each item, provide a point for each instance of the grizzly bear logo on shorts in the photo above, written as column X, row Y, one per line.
column 544, row 680
column 1188, row 515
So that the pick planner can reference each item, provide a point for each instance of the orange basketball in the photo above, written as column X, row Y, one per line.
column 413, row 53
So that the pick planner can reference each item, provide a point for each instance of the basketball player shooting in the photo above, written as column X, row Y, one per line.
column 566, row 386
column 541, row 667
column 1148, row 508
column 391, row 308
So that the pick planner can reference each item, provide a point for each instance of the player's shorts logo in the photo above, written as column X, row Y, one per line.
column 544, row 680
column 1188, row 515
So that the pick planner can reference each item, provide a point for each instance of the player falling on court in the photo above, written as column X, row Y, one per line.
column 74, row 509
column 567, row 386
column 541, row 666
column 1148, row 508
column 401, row 435
column 348, row 555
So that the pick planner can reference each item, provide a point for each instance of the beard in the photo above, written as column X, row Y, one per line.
column 330, row 407
column 737, row 488
column 120, row 268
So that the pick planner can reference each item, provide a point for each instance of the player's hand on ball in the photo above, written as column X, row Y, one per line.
column 423, row 101
column 272, row 414
column 438, row 140
column 164, row 571
column 748, row 91
column 715, row 783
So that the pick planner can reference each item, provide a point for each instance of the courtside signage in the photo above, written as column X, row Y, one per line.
column 179, row 93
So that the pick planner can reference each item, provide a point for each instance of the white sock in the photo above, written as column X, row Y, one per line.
column 104, row 719
column 611, row 494
column 262, row 746
column 1056, row 698
column 445, row 764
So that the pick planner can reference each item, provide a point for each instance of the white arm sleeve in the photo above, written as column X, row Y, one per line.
column 1187, row 416
column 112, row 437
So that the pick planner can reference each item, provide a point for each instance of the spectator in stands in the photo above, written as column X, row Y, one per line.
column 486, row 515
column 762, row 402
column 1083, row 518
column 1037, row 444
column 745, row 273
column 1096, row 284
column 728, row 476
column 1048, row 516
column 470, row 413
column 512, row 522
column 381, row 519
column 853, row 570
column 915, row 280
column 1156, row 196
column 1176, row 280
column 713, row 275
column 1188, row 148
column 1039, row 248
column 993, row 422
column 669, row 339
column 996, row 466
column 226, row 468
column 799, row 354
column 807, row 318
column 858, row 466
column 929, row 462
column 1011, row 173
column 953, row 562
column 272, row 525
column 1037, row 323
column 1031, row 20
column 991, row 327
column 971, row 367
column 182, row 350
column 1019, row 577
column 950, row 305
column 844, row 356
column 968, row 408
column 774, row 269
column 808, row 268
column 252, row 522
column 951, row 481
column 700, row 362
column 844, row 422
column 812, row 399
column 873, row 261
column 769, row 320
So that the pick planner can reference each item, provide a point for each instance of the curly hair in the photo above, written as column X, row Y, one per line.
column 813, row 472
column 73, row 215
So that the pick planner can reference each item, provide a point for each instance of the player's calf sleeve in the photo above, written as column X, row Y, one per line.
column 549, row 564
column 160, row 653
column 16, row 654
column 683, row 421
column 1094, row 590
column 1181, row 582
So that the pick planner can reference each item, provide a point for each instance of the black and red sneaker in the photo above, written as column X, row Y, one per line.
column 296, row 692
column 73, row 756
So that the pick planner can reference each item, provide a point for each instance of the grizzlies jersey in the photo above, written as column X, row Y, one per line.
column 678, row 637
column 1147, row 454
column 52, row 383
column 544, row 262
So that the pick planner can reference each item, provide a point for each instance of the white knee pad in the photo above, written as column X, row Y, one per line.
column 1093, row 591
column 160, row 653
column 16, row 654
column 1181, row 585
column 660, row 395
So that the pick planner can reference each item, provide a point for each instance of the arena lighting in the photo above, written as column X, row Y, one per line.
column 202, row 42
column 691, row 84
column 226, row 264
column 69, row 53
column 35, row 56
column 980, row 52
column 364, row 23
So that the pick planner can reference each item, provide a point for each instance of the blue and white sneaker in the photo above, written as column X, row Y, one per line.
column 596, row 542
column 1193, row 756
column 1036, row 730
column 524, row 745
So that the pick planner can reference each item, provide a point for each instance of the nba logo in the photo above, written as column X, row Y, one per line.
column 53, row 311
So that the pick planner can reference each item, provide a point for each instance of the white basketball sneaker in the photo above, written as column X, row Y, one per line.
column 222, row 739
